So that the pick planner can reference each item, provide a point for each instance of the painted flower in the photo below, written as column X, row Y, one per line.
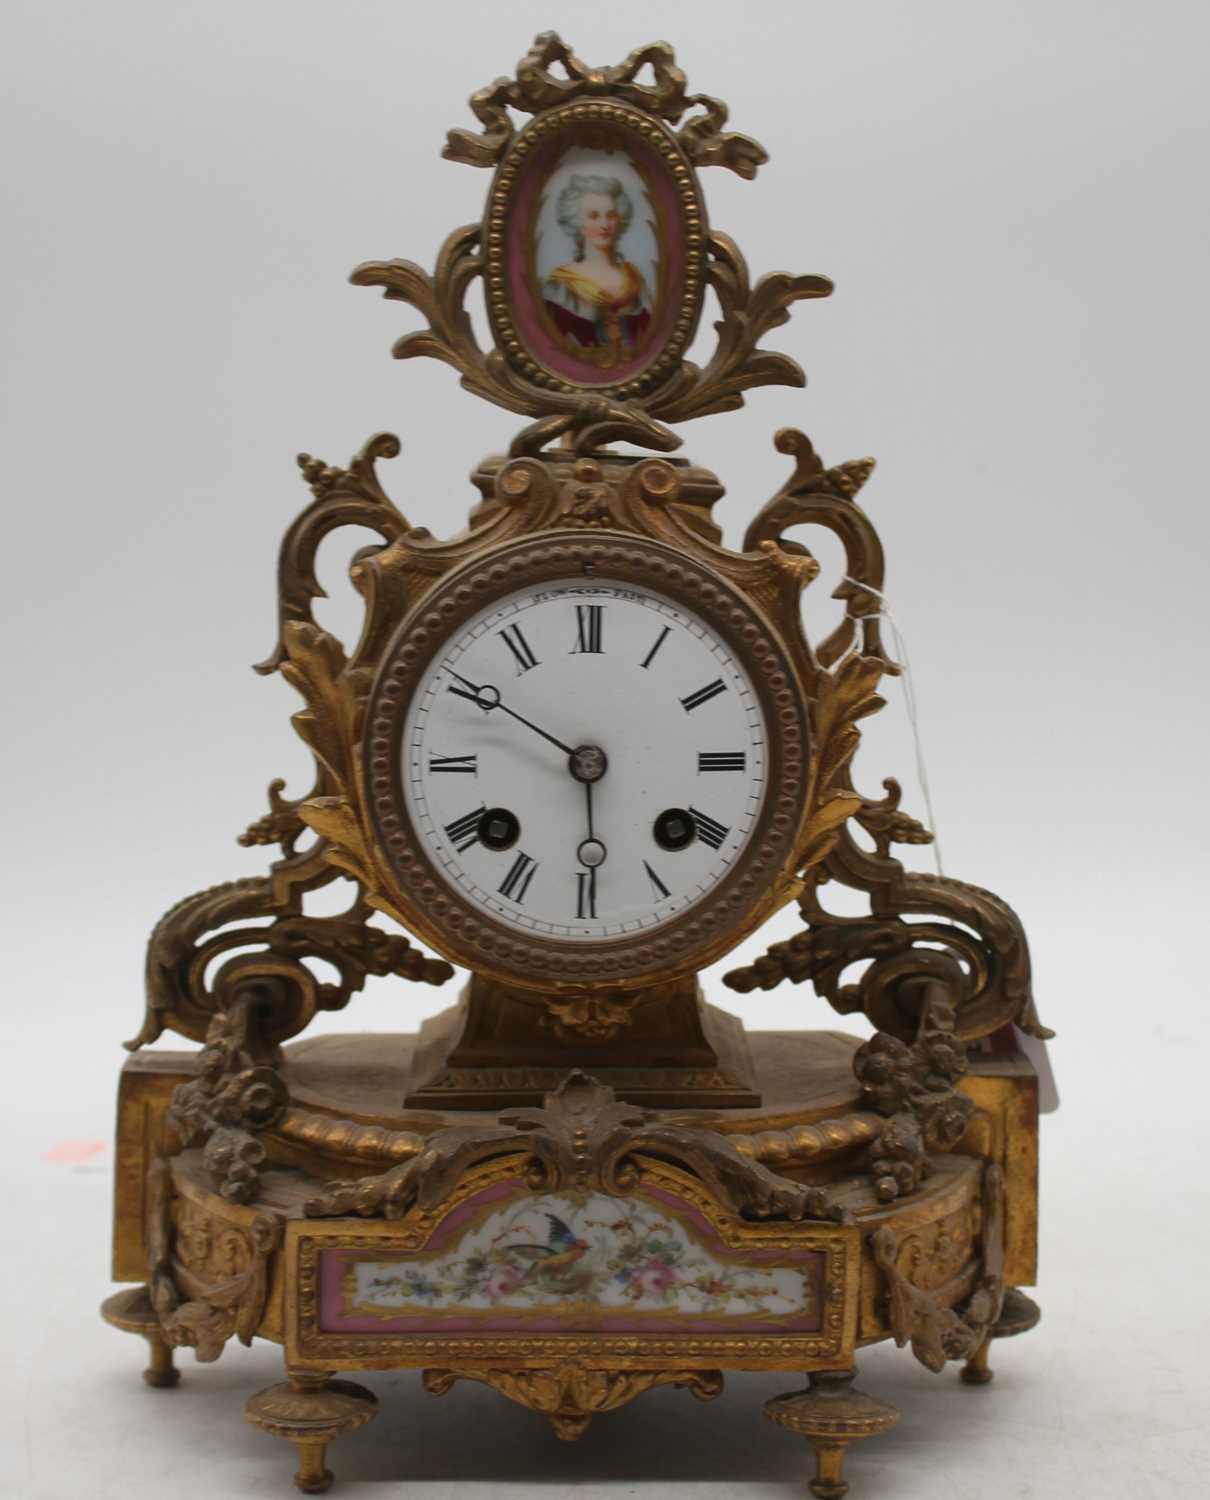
column 654, row 1277
column 503, row 1280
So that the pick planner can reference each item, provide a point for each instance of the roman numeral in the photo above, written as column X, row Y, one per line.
column 466, row 763
column 657, row 884
column 722, row 760
column 588, row 628
column 519, row 646
column 708, row 830
column 659, row 641
column 516, row 882
column 586, row 893
column 464, row 831
column 703, row 695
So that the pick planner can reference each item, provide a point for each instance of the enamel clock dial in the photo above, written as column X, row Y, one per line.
column 577, row 757
column 584, row 759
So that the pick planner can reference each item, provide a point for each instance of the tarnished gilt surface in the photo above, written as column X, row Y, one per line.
column 803, row 1076
column 360, row 1077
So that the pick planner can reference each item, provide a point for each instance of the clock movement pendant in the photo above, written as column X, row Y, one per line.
column 580, row 751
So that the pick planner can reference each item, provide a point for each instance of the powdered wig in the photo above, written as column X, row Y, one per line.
column 567, row 210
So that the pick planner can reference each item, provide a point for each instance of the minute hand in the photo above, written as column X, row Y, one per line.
column 475, row 694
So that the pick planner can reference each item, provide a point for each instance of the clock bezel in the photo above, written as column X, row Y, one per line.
column 763, row 877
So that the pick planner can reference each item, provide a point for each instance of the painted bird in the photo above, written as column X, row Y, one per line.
column 562, row 1249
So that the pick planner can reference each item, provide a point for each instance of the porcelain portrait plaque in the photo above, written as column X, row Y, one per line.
column 595, row 235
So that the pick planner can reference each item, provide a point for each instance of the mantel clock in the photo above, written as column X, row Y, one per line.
column 581, row 749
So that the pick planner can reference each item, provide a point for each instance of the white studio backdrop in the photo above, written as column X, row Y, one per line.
column 1011, row 200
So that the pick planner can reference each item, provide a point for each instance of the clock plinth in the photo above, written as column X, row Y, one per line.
column 583, row 749
column 362, row 1246
column 664, row 1048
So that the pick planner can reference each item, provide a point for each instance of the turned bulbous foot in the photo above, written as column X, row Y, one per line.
column 132, row 1312
column 1018, row 1314
column 831, row 1413
column 976, row 1370
column 311, row 1410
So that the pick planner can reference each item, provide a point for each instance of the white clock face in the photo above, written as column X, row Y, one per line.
column 584, row 761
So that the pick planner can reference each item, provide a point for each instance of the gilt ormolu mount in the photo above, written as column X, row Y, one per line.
column 581, row 750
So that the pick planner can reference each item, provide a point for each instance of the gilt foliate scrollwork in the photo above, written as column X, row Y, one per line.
column 887, row 823
column 672, row 389
column 335, row 693
column 842, row 674
column 198, row 958
column 843, row 698
column 179, row 994
column 450, row 337
column 816, row 495
column 738, row 363
column 258, row 999
column 582, row 1138
column 281, row 825
column 440, row 299
column 990, row 978
column 330, row 725
column 536, row 87
column 988, row 973
column 594, row 419
column 572, row 1393
column 342, row 497
column 190, row 980
column 357, row 951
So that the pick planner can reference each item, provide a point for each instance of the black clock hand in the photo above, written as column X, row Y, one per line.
column 488, row 698
column 591, row 840
column 591, row 853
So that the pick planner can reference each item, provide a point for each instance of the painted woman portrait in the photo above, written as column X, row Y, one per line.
column 599, row 302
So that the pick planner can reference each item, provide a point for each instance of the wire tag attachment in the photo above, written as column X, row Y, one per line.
column 909, row 697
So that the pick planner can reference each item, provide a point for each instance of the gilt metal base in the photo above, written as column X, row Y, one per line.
column 742, row 1191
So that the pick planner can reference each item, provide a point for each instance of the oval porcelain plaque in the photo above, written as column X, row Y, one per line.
column 595, row 242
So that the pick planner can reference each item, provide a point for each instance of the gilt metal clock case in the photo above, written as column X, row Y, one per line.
column 756, row 868
column 517, row 1192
